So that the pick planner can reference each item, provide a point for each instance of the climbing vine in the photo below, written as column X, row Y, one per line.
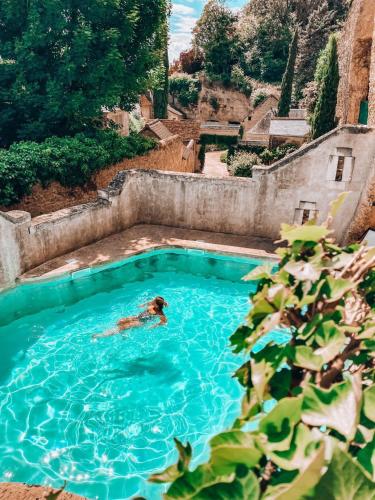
column 306, row 429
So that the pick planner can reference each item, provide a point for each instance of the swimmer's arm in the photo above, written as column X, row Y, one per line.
column 163, row 321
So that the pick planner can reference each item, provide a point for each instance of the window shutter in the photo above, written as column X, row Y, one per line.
column 332, row 167
column 348, row 169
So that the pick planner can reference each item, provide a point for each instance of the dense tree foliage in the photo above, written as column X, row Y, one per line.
column 257, row 40
column 184, row 89
column 62, row 60
column 324, row 117
column 161, row 74
column 317, row 21
column 215, row 35
column 189, row 62
column 306, row 430
column 265, row 33
column 288, row 78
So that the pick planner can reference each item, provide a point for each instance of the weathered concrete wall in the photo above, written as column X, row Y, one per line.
column 10, row 258
column 304, row 178
column 277, row 194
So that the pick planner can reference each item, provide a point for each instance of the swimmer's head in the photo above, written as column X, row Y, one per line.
column 160, row 302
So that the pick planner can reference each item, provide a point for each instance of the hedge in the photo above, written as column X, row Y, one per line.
column 71, row 161
column 225, row 140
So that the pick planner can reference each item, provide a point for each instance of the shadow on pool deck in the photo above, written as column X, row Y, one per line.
column 145, row 237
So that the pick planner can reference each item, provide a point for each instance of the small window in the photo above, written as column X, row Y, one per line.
column 340, row 169
column 305, row 216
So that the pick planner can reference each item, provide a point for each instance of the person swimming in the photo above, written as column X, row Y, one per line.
column 154, row 310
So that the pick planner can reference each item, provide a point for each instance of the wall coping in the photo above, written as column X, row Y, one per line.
column 354, row 129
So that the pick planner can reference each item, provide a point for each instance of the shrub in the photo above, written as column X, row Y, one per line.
column 308, row 414
column 202, row 155
column 68, row 160
column 241, row 165
column 224, row 157
column 269, row 156
column 214, row 103
column 259, row 97
column 240, row 81
column 185, row 89
column 221, row 141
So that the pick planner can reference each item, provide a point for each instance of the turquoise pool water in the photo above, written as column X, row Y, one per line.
column 102, row 414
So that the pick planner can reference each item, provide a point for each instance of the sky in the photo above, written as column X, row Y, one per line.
column 184, row 16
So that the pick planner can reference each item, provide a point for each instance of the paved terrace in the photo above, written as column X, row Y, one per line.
column 141, row 238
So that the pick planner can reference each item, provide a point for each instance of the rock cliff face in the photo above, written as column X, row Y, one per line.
column 357, row 63
column 219, row 104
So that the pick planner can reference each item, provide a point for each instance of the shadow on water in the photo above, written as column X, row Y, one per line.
column 14, row 345
column 156, row 365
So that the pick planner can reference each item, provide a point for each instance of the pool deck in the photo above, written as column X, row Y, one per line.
column 142, row 238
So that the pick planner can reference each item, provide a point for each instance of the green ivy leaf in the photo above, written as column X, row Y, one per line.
column 344, row 480
column 192, row 483
column 303, row 271
column 175, row 471
column 336, row 204
column 369, row 403
column 303, row 483
column 239, row 339
column 305, row 357
column 240, row 489
column 337, row 408
column 337, row 288
column 303, row 233
column 296, row 456
column 261, row 373
column 278, row 426
column 231, row 448
column 331, row 340
column 366, row 457
column 260, row 272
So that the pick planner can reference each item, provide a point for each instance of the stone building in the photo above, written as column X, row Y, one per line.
column 186, row 131
column 288, row 131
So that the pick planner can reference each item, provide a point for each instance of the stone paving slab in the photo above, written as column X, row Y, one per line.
column 141, row 238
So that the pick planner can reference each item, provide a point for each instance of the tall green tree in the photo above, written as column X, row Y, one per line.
column 287, row 83
column 265, row 31
column 63, row 60
column 324, row 116
column 317, row 19
column 215, row 35
column 161, row 81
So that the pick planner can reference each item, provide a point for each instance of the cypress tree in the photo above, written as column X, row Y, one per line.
column 287, row 83
column 161, row 88
column 161, row 92
column 324, row 116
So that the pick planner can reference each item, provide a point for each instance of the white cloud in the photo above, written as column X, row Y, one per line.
column 182, row 10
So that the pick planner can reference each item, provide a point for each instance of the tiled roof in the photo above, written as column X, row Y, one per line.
column 263, row 126
column 144, row 101
column 186, row 129
column 289, row 127
column 175, row 111
column 159, row 129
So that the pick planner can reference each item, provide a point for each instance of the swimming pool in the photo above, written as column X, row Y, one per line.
column 102, row 414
